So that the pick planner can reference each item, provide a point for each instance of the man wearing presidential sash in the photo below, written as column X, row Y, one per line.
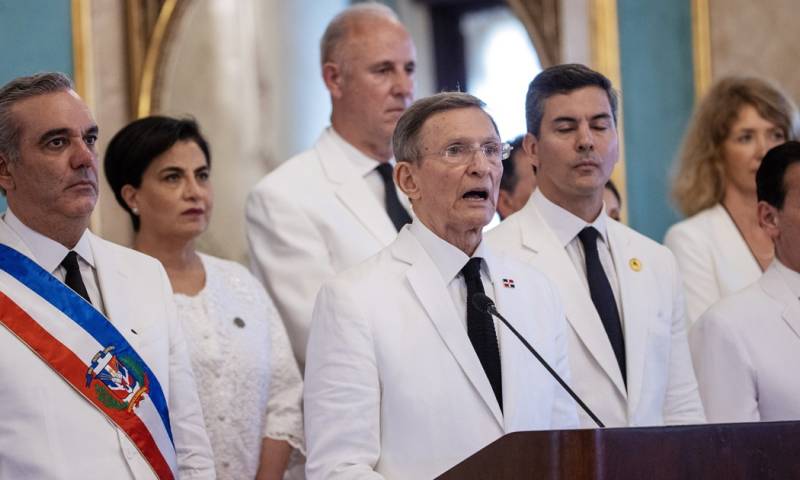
column 95, row 379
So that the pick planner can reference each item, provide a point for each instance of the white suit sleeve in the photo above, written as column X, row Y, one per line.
column 289, row 256
column 342, row 391
column 694, row 259
column 682, row 404
column 724, row 370
column 195, row 459
column 284, row 407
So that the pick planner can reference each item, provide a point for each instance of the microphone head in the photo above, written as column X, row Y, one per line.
column 482, row 303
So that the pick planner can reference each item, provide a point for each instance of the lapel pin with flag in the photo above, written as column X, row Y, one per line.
column 508, row 283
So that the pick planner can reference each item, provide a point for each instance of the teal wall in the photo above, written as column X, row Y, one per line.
column 658, row 95
column 35, row 35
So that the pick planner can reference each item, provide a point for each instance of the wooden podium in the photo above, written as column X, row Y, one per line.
column 758, row 451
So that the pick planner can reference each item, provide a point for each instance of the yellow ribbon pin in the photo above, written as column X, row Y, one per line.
column 635, row 264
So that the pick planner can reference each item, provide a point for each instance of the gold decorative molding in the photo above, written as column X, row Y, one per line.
column 83, row 66
column 151, row 24
column 701, row 47
column 82, row 61
column 604, row 35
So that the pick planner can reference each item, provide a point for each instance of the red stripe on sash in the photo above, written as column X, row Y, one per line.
column 64, row 362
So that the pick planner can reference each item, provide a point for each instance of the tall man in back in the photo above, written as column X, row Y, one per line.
column 95, row 373
column 336, row 204
column 628, row 350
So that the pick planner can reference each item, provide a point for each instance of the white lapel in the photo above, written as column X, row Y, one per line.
column 352, row 190
column 552, row 258
column 432, row 293
column 774, row 285
column 519, row 313
column 119, row 304
column 637, row 314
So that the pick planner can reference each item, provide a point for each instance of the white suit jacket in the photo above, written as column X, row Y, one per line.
column 746, row 350
column 394, row 388
column 49, row 431
column 661, row 384
column 713, row 258
column 311, row 218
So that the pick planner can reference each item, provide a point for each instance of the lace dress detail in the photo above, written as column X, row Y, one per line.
column 248, row 381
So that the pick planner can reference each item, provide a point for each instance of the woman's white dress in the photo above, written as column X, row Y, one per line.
column 249, row 383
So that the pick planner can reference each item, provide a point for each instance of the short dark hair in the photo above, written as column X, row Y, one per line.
column 135, row 147
column 22, row 88
column 563, row 79
column 770, row 177
column 510, row 178
column 405, row 141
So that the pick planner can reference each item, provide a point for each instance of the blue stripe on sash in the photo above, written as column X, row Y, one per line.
column 30, row 274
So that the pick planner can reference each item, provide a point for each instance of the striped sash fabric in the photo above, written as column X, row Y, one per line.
column 87, row 351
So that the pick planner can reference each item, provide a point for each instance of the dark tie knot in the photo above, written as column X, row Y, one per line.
column 385, row 170
column 472, row 270
column 70, row 262
column 588, row 237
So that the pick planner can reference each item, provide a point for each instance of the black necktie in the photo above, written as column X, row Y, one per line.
column 394, row 208
column 73, row 277
column 603, row 296
column 480, row 329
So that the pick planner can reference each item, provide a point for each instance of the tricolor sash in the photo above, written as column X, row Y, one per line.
column 85, row 349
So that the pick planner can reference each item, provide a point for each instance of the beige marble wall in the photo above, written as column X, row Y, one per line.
column 111, row 106
column 756, row 38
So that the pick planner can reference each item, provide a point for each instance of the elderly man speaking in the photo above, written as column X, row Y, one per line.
column 405, row 377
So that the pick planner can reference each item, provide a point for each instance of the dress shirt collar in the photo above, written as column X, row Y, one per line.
column 564, row 223
column 47, row 252
column 361, row 162
column 789, row 276
column 449, row 260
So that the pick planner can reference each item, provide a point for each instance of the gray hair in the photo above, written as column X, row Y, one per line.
column 20, row 89
column 339, row 28
column 405, row 141
column 563, row 79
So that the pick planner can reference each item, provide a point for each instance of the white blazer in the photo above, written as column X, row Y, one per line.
column 746, row 350
column 713, row 258
column 311, row 218
column 50, row 431
column 661, row 383
column 394, row 388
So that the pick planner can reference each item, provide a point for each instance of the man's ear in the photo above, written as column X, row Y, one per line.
column 768, row 219
column 6, row 177
column 333, row 77
column 505, row 206
column 530, row 144
column 129, row 194
column 405, row 179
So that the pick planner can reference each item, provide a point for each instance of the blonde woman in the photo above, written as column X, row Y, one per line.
column 720, row 248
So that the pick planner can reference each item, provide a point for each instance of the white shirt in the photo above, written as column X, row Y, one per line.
column 49, row 254
column 367, row 167
column 449, row 261
column 566, row 227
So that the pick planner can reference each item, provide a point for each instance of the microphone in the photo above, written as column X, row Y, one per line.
column 485, row 304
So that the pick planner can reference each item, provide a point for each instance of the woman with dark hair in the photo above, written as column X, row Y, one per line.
column 249, row 384
column 721, row 248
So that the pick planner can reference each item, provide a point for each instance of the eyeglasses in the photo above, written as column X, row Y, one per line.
column 458, row 153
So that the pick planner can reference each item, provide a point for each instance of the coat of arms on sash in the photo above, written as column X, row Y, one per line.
column 119, row 382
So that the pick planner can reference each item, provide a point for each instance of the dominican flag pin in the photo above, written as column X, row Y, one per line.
column 508, row 283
